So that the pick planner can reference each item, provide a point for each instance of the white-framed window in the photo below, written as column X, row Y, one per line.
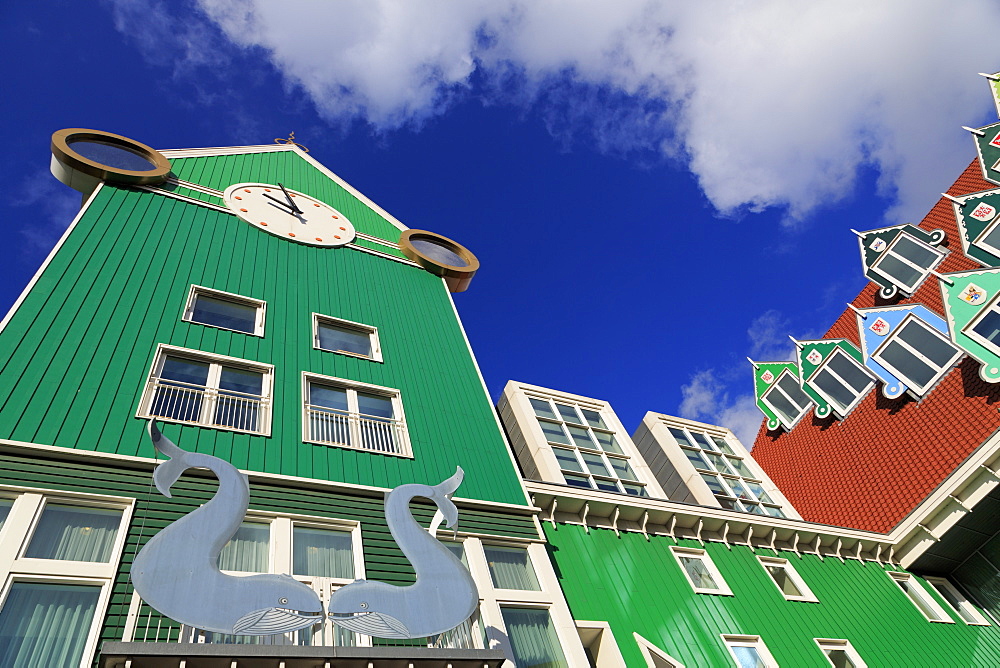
column 985, row 327
column 588, row 453
column 907, row 261
column 788, row 582
column 989, row 238
column 194, row 387
column 923, row 601
column 323, row 553
column 654, row 656
column 749, row 651
column 344, row 337
column 727, row 475
column 842, row 381
column 510, row 567
column 600, row 645
column 962, row 606
column 787, row 399
column 354, row 415
column 700, row 572
column 225, row 310
column 839, row 653
column 917, row 354
column 59, row 555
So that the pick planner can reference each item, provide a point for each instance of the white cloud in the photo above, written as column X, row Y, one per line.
column 768, row 334
column 49, row 207
column 770, row 104
column 705, row 398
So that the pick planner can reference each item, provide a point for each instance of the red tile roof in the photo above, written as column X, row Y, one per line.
column 872, row 468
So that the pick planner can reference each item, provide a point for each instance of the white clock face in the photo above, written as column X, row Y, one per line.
column 289, row 214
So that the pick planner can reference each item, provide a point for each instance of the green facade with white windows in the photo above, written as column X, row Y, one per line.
column 637, row 584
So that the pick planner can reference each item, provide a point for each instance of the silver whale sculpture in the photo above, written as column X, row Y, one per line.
column 444, row 594
column 177, row 571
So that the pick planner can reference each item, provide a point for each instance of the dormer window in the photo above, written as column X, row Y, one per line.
column 786, row 398
column 906, row 262
column 985, row 328
column 917, row 354
column 841, row 381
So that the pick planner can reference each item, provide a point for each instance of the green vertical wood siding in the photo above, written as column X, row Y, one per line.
column 637, row 587
column 383, row 559
column 287, row 167
column 75, row 356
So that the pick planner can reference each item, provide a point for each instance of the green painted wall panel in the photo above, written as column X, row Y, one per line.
column 75, row 356
column 383, row 559
column 636, row 586
column 287, row 167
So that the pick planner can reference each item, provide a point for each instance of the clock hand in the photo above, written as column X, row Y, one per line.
column 290, row 209
column 291, row 204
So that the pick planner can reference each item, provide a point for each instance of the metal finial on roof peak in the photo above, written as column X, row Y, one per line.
column 973, row 130
column 991, row 77
column 797, row 344
column 864, row 316
column 290, row 141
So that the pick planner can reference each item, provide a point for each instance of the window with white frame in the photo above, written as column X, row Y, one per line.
column 923, row 601
column 322, row 553
column 791, row 586
column 194, row 387
column 654, row 656
column 700, row 572
column 985, row 327
column 345, row 337
column 917, row 354
column 588, row 453
column 907, row 261
column 962, row 606
column 842, row 381
column 787, row 399
column 225, row 310
column 510, row 567
column 839, row 653
column 353, row 415
column 749, row 651
column 732, row 482
column 990, row 237
column 59, row 556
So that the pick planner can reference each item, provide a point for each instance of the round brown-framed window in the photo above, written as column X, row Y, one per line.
column 441, row 256
column 109, row 157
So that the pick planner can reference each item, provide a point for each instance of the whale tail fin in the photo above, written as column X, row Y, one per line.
column 441, row 495
column 167, row 473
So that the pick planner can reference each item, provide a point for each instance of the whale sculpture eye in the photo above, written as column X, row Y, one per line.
column 364, row 606
column 282, row 600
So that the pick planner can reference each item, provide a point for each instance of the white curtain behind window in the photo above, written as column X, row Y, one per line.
column 74, row 533
column 533, row 638
column 46, row 625
column 322, row 553
column 248, row 549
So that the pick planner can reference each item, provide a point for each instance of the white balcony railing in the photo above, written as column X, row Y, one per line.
column 182, row 402
column 144, row 624
column 355, row 430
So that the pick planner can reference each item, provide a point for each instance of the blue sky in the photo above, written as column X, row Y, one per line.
column 655, row 190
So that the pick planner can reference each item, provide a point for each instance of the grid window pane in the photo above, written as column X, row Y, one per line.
column 740, row 467
column 328, row 397
column 337, row 338
column 697, row 572
column 606, row 485
column 511, row 568
column 74, row 533
column 533, row 638
column 773, row 511
column 930, row 344
column 850, row 371
column 759, row 492
column 46, row 625
column 839, row 393
column 989, row 326
column 622, row 469
column 702, row 441
column 593, row 418
column 5, row 505
column 577, row 481
column 581, row 437
column 635, row 490
column 553, row 432
column 900, row 271
column 696, row 458
column 248, row 549
column 608, row 442
column 322, row 553
column 567, row 460
column 914, row 251
column 722, row 445
column 568, row 413
column 375, row 405
column 224, row 313
column 793, row 391
column 680, row 436
column 780, row 403
column 719, row 461
column 595, row 464
column 543, row 409
column 715, row 485
column 185, row 371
